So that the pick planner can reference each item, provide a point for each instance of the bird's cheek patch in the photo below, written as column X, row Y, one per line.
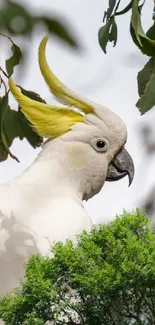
column 77, row 154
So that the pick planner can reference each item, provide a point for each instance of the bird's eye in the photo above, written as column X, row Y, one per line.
column 100, row 144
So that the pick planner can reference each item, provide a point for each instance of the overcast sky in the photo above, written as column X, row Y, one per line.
column 107, row 79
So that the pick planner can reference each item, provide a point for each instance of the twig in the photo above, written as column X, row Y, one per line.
column 7, row 37
column 5, row 74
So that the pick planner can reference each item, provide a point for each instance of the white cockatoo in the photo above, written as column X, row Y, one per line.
column 85, row 148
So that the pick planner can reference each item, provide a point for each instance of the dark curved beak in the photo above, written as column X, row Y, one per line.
column 121, row 166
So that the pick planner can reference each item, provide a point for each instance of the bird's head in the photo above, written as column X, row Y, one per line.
column 93, row 136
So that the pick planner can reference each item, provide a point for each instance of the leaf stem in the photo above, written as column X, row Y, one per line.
column 7, row 37
column 5, row 74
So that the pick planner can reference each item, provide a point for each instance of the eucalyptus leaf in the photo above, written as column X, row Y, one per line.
column 146, row 44
column 113, row 33
column 103, row 35
column 60, row 30
column 146, row 81
column 151, row 32
column 33, row 95
column 144, row 76
column 3, row 110
column 14, row 59
column 3, row 152
column 112, row 4
column 104, row 17
column 14, row 124
column 16, row 19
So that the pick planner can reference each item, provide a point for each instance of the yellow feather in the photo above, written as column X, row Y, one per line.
column 59, row 90
column 49, row 121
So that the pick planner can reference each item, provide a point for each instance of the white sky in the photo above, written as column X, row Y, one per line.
column 107, row 79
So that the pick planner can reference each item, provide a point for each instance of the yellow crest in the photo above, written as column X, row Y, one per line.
column 48, row 120
column 60, row 91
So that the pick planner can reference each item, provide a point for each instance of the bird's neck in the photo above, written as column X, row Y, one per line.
column 51, row 175
column 48, row 179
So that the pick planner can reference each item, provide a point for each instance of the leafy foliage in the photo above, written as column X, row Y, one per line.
column 15, row 125
column 108, row 33
column 144, row 41
column 14, row 60
column 146, row 78
column 108, row 278
column 4, row 140
column 16, row 20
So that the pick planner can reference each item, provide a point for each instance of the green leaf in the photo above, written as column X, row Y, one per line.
column 151, row 32
column 13, row 124
column 146, row 86
column 108, row 33
column 32, row 95
column 104, row 17
column 144, row 76
column 113, row 33
column 135, row 20
column 146, row 44
column 112, row 3
column 111, row 8
column 61, row 31
column 3, row 110
column 13, row 60
column 103, row 35
column 132, row 32
column 28, row 131
column 15, row 18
